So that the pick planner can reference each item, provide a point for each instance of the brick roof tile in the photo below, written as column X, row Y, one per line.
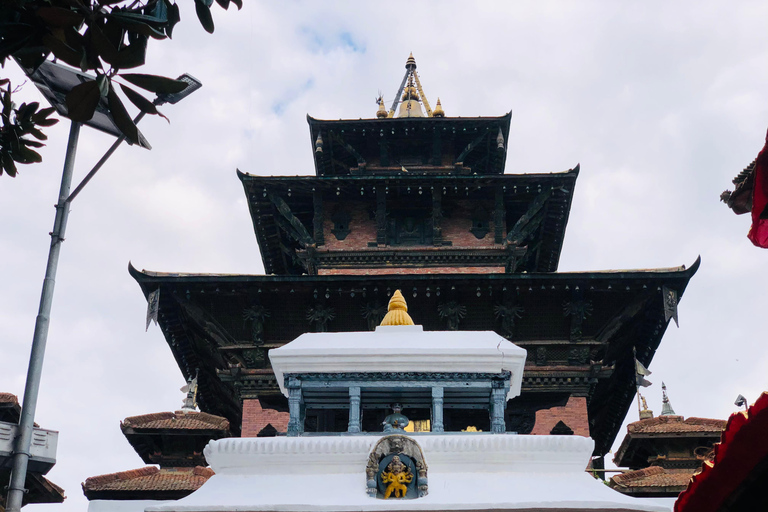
column 654, row 476
column 149, row 479
column 9, row 398
column 676, row 424
column 178, row 420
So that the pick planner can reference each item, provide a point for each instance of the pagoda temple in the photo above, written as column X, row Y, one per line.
column 664, row 452
column 171, row 444
column 417, row 200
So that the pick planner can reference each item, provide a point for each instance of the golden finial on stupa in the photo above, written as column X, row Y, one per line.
column 410, row 64
column 397, row 311
column 438, row 112
column 382, row 112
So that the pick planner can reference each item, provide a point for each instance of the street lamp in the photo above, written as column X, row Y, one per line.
column 54, row 81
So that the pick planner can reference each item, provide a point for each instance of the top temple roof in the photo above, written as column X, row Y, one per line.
column 413, row 139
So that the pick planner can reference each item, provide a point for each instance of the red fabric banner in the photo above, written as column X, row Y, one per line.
column 758, row 234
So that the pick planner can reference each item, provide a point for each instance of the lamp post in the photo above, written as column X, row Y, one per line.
column 51, row 78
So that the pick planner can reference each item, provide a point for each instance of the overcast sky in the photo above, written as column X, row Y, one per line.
column 662, row 103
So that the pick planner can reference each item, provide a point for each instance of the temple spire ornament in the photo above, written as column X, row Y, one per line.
column 410, row 97
column 666, row 407
column 397, row 313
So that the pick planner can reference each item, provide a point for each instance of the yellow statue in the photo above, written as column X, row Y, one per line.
column 396, row 475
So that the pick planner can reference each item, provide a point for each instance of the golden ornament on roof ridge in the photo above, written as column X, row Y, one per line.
column 397, row 311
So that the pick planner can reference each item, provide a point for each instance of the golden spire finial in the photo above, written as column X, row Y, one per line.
column 438, row 112
column 410, row 63
column 398, row 311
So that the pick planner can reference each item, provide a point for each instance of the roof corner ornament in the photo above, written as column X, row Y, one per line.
column 319, row 143
column 190, row 402
column 153, row 307
column 500, row 140
column 670, row 304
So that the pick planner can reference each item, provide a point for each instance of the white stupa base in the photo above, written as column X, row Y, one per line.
column 467, row 472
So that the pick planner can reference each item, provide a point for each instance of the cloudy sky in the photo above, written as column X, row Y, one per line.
column 661, row 103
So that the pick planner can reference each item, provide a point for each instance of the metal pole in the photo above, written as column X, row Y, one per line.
column 26, row 422
column 101, row 162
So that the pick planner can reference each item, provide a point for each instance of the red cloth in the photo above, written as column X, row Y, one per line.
column 758, row 234
column 743, row 446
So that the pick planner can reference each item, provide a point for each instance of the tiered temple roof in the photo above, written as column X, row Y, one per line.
column 422, row 204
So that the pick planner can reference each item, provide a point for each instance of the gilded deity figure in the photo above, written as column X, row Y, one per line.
column 396, row 475
column 396, row 420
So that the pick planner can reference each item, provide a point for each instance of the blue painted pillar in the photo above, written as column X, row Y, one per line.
column 498, row 404
column 354, row 410
column 295, row 421
column 437, row 409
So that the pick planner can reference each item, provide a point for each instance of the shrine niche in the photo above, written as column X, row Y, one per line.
column 396, row 469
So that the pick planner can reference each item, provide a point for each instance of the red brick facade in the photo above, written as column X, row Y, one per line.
column 455, row 229
column 574, row 414
column 256, row 418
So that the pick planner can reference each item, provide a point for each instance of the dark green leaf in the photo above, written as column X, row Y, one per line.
column 8, row 164
column 103, row 81
column 82, row 101
column 38, row 134
column 174, row 16
column 33, row 143
column 47, row 122
column 62, row 51
column 121, row 118
column 27, row 156
column 103, row 45
column 42, row 114
column 223, row 3
column 154, row 83
column 238, row 3
column 4, row 81
column 140, row 101
column 204, row 15
column 133, row 55
column 60, row 17
column 109, row 2
column 159, row 11
column 138, row 27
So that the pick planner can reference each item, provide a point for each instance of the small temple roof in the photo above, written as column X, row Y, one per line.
column 400, row 348
column 165, row 483
column 654, row 480
column 175, row 421
column 676, row 425
column 662, row 427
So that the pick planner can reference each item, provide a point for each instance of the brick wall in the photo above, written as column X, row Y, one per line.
column 363, row 228
column 255, row 418
column 409, row 270
column 574, row 414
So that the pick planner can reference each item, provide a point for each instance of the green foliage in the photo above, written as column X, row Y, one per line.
column 98, row 36
column 17, row 125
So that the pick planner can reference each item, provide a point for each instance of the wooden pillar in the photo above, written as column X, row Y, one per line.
column 498, row 216
column 317, row 219
column 498, row 403
column 354, row 410
column 381, row 215
column 295, row 409
column 437, row 409
column 437, row 216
